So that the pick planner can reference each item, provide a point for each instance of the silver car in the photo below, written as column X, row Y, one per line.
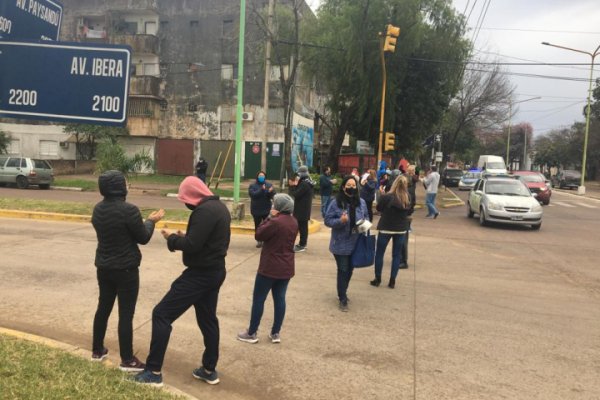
column 24, row 171
column 504, row 200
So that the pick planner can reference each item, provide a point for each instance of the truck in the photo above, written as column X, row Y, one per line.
column 491, row 164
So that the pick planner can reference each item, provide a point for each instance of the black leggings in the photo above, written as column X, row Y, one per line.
column 303, row 229
column 258, row 219
column 124, row 285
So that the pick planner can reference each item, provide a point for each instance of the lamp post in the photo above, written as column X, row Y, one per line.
column 510, row 104
column 581, row 189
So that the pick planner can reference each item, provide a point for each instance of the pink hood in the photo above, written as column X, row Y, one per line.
column 193, row 191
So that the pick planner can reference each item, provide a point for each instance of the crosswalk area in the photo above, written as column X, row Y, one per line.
column 572, row 204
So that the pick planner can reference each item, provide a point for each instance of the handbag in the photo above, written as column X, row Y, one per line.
column 363, row 254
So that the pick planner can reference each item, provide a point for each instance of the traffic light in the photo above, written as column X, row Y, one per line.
column 390, row 141
column 392, row 32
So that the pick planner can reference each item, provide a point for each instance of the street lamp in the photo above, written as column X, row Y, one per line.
column 581, row 189
column 510, row 104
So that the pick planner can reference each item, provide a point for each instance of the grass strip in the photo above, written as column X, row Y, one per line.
column 33, row 371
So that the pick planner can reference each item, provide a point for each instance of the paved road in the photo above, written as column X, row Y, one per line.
column 483, row 313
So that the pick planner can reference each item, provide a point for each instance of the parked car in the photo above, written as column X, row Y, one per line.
column 451, row 177
column 469, row 179
column 26, row 171
column 504, row 200
column 536, row 183
column 567, row 178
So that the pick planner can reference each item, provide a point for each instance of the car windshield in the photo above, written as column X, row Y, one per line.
column 495, row 165
column 454, row 173
column 532, row 178
column 507, row 188
column 472, row 175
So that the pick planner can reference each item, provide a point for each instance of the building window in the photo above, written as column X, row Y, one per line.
column 276, row 72
column 228, row 32
column 194, row 24
column 48, row 148
column 140, row 108
column 150, row 27
column 14, row 147
column 164, row 24
column 226, row 72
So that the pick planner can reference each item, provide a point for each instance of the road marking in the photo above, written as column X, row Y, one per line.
column 585, row 205
column 560, row 203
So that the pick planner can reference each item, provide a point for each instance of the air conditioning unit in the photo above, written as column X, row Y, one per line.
column 247, row 116
column 64, row 145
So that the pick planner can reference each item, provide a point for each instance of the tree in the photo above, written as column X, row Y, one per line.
column 347, row 65
column 87, row 136
column 4, row 142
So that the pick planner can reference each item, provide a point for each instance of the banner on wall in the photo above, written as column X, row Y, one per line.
column 303, row 133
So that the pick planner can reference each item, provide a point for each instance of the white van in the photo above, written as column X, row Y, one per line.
column 491, row 164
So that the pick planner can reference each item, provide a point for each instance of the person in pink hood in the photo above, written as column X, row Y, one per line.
column 204, row 247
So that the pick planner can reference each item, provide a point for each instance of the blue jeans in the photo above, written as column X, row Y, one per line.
column 324, row 203
column 430, row 202
column 262, row 286
column 344, row 274
column 397, row 249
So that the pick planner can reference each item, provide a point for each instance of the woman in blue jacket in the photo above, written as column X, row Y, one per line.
column 341, row 216
column 261, row 194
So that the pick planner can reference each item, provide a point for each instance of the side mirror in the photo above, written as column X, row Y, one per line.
column 479, row 192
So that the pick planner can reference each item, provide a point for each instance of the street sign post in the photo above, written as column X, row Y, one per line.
column 30, row 19
column 69, row 82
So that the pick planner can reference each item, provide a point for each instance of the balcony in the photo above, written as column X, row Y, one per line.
column 144, row 86
column 142, row 44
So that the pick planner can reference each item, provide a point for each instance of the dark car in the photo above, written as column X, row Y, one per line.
column 567, row 178
column 451, row 176
column 536, row 183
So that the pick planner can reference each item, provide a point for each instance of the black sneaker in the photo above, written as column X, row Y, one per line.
column 375, row 282
column 344, row 305
column 212, row 378
column 298, row 248
column 149, row 378
column 133, row 365
column 100, row 355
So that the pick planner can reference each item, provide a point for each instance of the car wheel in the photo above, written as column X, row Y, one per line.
column 44, row 186
column 482, row 220
column 547, row 202
column 22, row 182
column 536, row 227
column 469, row 212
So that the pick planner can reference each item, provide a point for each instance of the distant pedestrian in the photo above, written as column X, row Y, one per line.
column 413, row 180
column 204, row 247
column 119, row 228
column 276, row 267
column 302, row 191
column 261, row 195
column 342, row 216
column 394, row 223
column 431, row 182
column 201, row 168
column 384, row 182
column 326, row 183
column 367, row 191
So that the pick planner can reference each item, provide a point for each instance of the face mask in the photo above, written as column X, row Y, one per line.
column 350, row 191
column 261, row 179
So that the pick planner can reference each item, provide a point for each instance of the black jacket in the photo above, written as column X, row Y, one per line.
column 119, row 226
column 303, row 194
column 367, row 192
column 394, row 217
column 206, row 240
column 260, row 199
column 325, row 185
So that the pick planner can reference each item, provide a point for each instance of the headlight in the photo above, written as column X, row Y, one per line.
column 536, row 208
column 543, row 189
column 495, row 206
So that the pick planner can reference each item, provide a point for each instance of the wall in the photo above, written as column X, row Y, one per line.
column 29, row 137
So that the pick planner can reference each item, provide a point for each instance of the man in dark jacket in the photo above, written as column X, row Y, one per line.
column 204, row 246
column 119, row 229
column 302, row 191
column 326, row 188
column 261, row 195
column 201, row 168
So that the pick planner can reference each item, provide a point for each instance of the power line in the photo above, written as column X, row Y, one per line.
column 570, row 66
column 539, row 30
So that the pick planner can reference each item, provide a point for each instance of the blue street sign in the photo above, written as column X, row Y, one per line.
column 70, row 82
column 30, row 19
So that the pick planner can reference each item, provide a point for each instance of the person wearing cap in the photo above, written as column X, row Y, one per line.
column 119, row 228
column 204, row 246
column 261, row 195
column 276, row 267
column 302, row 190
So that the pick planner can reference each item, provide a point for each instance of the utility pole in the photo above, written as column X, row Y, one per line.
column 263, row 153
column 240, row 107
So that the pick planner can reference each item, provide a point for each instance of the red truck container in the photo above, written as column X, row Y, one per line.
column 361, row 161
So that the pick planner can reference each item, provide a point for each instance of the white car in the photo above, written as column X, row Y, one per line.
column 504, row 200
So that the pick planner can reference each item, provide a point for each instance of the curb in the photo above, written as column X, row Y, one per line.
column 313, row 227
column 76, row 351
column 579, row 196
column 455, row 202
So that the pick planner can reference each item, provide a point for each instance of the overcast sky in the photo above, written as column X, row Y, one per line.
column 512, row 32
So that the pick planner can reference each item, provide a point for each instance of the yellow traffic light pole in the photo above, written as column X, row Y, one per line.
column 388, row 43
